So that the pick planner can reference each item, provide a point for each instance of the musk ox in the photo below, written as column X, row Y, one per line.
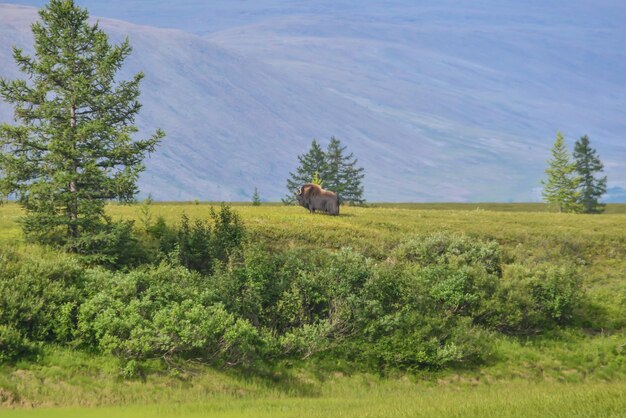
column 313, row 197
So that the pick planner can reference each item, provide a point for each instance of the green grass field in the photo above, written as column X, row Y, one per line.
column 574, row 372
column 515, row 399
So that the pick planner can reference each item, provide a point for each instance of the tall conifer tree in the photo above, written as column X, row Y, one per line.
column 72, row 146
column 353, row 184
column 344, row 177
column 560, row 188
column 335, row 161
column 588, row 165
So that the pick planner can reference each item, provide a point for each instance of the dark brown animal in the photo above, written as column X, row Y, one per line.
column 313, row 197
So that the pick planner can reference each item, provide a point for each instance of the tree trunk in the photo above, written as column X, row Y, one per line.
column 73, row 204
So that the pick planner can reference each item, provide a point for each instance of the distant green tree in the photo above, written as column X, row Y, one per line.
column 561, row 186
column 588, row 165
column 256, row 198
column 310, row 163
column 343, row 176
column 334, row 169
column 353, row 187
column 334, row 164
column 72, row 148
column 145, row 213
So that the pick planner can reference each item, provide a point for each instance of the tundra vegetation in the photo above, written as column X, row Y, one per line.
column 374, row 308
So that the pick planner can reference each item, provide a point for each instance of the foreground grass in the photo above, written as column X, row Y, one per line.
column 529, row 383
column 513, row 399
column 60, row 376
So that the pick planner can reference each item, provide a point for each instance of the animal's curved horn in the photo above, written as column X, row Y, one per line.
column 299, row 191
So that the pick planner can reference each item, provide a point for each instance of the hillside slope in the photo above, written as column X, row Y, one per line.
column 439, row 103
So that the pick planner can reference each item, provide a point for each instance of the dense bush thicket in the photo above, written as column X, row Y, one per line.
column 162, row 311
column 207, row 294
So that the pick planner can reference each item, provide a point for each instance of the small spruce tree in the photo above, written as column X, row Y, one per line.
column 310, row 163
column 561, row 186
column 145, row 213
column 256, row 198
column 72, row 147
column 588, row 165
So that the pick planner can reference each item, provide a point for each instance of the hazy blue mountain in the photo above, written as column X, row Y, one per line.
column 440, row 100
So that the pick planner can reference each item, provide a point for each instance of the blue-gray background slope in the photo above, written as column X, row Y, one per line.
column 440, row 100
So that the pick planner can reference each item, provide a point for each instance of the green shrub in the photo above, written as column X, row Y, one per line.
column 409, row 339
column 163, row 312
column 13, row 344
column 228, row 232
column 347, row 272
column 304, row 298
column 162, row 232
column 279, row 291
column 193, row 330
column 114, row 245
column 193, row 244
column 402, row 322
column 304, row 302
column 306, row 340
column 460, row 291
column 120, row 304
column 39, row 294
column 158, row 240
column 532, row 299
column 557, row 291
column 251, row 287
column 451, row 249
column 433, row 303
column 201, row 245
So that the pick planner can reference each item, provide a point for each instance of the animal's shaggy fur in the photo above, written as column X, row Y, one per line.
column 313, row 197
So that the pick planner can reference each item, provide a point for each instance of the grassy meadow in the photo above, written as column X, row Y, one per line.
column 576, row 370
column 515, row 399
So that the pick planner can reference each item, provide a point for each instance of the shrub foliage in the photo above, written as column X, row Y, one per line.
column 208, row 294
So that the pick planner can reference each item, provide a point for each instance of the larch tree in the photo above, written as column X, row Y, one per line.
column 588, row 166
column 71, row 148
column 561, row 186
